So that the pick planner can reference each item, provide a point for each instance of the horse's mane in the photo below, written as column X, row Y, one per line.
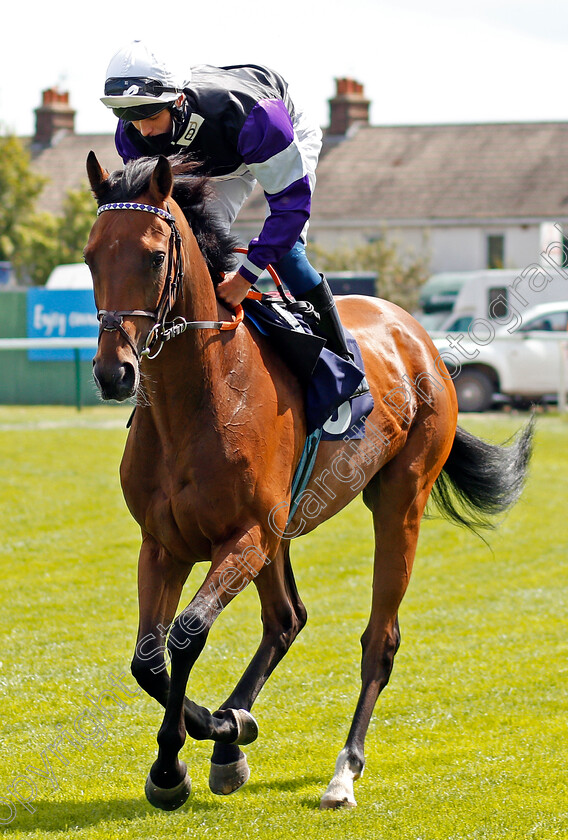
column 191, row 193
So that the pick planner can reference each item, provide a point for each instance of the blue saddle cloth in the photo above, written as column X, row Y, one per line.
column 329, row 381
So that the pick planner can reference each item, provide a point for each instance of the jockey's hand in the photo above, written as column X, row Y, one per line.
column 233, row 289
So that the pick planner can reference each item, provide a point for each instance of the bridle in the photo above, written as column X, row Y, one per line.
column 162, row 331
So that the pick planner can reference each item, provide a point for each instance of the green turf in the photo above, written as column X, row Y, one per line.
column 469, row 740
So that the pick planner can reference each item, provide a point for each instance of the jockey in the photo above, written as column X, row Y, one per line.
column 241, row 123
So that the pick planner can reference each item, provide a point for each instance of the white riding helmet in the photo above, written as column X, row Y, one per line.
column 138, row 83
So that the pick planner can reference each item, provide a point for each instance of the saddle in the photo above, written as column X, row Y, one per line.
column 329, row 381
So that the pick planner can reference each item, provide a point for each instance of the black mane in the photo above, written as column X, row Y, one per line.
column 191, row 193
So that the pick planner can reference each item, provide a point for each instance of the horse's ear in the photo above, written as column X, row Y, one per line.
column 97, row 175
column 162, row 181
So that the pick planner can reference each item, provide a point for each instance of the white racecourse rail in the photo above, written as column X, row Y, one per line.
column 48, row 343
column 75, row 344
column 88, row 343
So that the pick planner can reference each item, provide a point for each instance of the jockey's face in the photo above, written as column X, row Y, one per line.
column 160, row 123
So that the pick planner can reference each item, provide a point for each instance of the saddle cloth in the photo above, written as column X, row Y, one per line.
column 328, row 380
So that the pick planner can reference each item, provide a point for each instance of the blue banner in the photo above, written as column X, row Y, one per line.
column 61, row 313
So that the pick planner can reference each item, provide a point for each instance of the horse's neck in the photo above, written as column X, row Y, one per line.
column 197, row 301
column 191, row 371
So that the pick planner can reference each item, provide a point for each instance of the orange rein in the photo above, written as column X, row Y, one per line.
column 231, row 325
column 252, row 294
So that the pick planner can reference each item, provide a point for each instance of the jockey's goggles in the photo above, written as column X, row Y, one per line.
column 136, row 98
column 120, row 86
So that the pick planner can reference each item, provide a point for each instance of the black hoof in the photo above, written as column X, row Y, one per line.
column 168, row 799
column 247, row 727
column 227, row 778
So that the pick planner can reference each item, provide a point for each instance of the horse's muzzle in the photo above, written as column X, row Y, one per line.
column 116, row 380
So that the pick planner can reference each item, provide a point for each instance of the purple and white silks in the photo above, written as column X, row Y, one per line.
column 282, row 157
column 247, row 131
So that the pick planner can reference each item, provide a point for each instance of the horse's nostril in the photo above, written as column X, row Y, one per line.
column 129, row 377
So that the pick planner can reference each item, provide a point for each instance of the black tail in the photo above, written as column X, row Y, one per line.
column 480, row 480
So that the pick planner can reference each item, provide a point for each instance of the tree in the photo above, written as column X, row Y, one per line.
column 19, row 189
column 36, row 242
column 79, row 215
column 400, row 273
column 58, row 240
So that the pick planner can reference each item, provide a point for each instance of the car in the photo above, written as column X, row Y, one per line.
column 522, row 361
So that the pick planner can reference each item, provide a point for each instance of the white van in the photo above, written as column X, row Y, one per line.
column 452, row 301
column 70, row 276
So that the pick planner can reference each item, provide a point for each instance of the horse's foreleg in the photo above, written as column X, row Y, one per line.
column 234, row 565
column 160, row 583
column 283, row 617
column 397, row 504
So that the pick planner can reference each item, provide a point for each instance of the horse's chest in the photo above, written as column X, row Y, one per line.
column 184, row 514
column 189, row 495
column 174, row 521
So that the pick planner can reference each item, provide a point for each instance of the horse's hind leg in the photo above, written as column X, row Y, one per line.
column 283, row 617
column 397, row 497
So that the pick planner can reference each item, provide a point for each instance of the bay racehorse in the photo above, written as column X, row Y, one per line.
column 213, row 446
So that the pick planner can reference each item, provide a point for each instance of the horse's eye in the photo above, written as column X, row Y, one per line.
column 158, row 260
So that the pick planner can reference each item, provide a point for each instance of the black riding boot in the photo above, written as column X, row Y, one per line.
column 329, row 326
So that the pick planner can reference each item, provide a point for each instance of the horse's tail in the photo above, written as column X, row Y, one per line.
column 480, row 480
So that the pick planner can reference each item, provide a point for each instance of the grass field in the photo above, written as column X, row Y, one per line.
column 469, row 740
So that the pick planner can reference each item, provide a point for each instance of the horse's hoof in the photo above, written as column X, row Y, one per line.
column 168, row 799
column 339, row 793
column 247, row 727
column 331, row 801
column 227, row 778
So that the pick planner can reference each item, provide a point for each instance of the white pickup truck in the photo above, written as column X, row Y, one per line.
column 524, row 360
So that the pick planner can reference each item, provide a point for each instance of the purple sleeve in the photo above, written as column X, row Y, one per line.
column 124, row 146
column 270, row 149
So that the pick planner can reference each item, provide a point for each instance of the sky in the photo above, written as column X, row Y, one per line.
column 441, row 61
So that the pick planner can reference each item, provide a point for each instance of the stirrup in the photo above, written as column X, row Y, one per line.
column 305, row 308
column 362, row 388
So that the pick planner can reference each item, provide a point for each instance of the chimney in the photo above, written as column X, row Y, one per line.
column 53, row 115
column 348, row 107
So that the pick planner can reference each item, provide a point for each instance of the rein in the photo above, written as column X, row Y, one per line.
column 162, row 331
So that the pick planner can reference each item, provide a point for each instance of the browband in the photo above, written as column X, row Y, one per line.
column 132, row 205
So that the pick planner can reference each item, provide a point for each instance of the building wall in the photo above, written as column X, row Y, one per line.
column 466, row 248
column 448, row 247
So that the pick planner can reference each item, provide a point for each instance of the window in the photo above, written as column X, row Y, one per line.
column 564, row 251
column 495, row 251
column 461, row 324
column 551, row 321
column 498, row 302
